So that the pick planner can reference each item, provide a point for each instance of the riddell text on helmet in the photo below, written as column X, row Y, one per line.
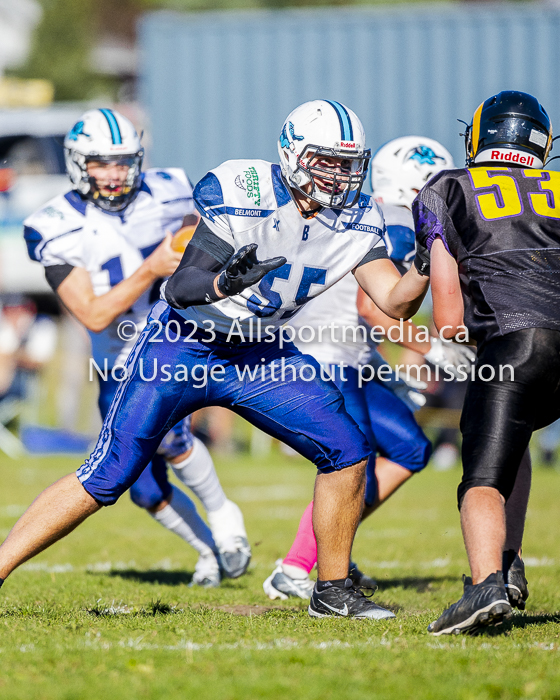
column 513, row 156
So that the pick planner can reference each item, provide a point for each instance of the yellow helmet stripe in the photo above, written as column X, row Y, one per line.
column 475, row 132
column 548, row 145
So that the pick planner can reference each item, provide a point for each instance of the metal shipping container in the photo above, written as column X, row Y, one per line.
column 219, row 85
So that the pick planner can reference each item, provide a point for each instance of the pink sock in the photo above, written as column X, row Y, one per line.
column 303, row 552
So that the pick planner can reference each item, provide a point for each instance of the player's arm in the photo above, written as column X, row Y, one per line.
column 398, row 297
column 446, row 292
column 435, row 235
column 97, row 312
column 373, row 316
column 434, row 350
column 211, row 270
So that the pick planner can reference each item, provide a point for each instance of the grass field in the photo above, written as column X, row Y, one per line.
column 107, row 613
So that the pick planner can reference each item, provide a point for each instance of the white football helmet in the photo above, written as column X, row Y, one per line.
column 103, row 135
column 401, row 167
column 324, row 129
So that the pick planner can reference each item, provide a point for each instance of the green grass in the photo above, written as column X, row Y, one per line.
column 107, row 612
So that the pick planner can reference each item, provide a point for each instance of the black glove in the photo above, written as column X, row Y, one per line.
column 244, row 269
column 422, row 259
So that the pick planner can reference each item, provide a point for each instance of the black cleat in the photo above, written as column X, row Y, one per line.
column 345, row 602
column 482, row 605
column 359, row 579
column 514, row 577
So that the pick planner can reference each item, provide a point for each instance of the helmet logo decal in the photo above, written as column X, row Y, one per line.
column 504, row 154
column 75, row 131
column 423, row 154
column 285, row 141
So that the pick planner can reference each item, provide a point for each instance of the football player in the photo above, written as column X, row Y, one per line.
column 106, row 245
column 493, row 229
column 382, row 409
column 224, row 310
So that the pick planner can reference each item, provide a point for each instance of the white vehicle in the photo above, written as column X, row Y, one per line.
column 31, row 172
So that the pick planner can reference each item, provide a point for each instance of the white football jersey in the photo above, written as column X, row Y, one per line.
column 344, row 336
column 247, row 201
column 111, row 246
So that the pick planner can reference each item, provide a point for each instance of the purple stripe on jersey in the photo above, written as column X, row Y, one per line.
column 430, row 226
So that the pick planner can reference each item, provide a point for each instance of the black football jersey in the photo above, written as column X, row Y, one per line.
column 502, row 226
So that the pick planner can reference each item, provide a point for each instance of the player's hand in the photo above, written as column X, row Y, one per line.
column 244, row 269
column 449, row 356
column 164, row 260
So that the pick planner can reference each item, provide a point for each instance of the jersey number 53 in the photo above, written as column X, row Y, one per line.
column 505, row 200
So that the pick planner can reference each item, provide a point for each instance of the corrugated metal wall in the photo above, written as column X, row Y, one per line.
column 219, row 85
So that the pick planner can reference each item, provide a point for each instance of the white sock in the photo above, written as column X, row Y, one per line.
column 294, row 571
column 198, row 473
column 181, row 517
column 227, row 525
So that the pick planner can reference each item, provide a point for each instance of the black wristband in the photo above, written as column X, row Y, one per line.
column 422, row 259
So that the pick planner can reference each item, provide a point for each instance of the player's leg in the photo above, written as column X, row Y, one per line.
column 173, row 509
column 382, row 480
column 153, row 492
column 288, row 400
column 290, row 577
column 516, row 509
column 403, row 448
column 139, row 417
column 516, row 505
column 489, row 447
column 392, row 431
column 380, row 414
column 497, row 422
column 57, row 511
column 193, row 465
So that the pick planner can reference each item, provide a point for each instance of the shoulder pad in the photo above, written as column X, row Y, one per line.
column 365, row 218
column 241, row 188
column 59, row 215
column 167, row 184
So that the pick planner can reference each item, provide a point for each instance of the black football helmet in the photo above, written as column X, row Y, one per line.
column 510, row 127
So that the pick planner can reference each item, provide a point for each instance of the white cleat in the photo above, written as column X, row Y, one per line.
column 230, row 536
column 280, row 586
column 206, row 572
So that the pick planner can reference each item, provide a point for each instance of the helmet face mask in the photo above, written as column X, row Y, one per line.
column 113, row 194
column 333, row 179
column 323, row 155
column 104, row 137
column 510, row 128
